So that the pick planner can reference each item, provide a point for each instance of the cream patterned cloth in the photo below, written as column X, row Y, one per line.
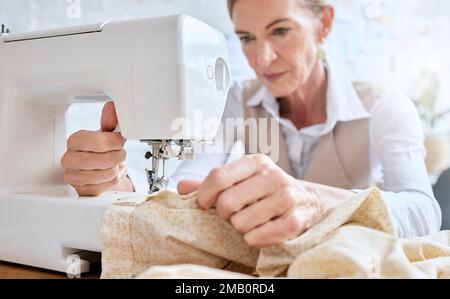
column 167, row 236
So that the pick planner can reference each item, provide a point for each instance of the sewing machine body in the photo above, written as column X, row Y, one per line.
column 156, row 70
column 43, row 229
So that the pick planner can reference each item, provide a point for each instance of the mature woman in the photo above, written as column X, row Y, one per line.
column 336, row 136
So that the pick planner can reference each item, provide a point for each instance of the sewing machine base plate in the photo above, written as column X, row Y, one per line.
column 54, row 230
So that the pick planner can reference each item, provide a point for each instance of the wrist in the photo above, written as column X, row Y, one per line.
column 328, row 196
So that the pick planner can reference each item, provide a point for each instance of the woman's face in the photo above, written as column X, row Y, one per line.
column 280, row 40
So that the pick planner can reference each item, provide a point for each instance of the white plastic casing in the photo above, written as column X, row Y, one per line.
column 156, row 70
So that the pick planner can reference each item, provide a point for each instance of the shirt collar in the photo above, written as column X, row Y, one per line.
column 343, row 103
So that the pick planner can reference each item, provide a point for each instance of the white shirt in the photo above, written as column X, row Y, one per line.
column 396, row 140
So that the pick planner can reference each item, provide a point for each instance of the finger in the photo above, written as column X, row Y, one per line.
column 188, row 186
column 289, row 226
column 90, row 177
column 109, row 121
column 98, row 142
column 98, row 189
column 92, row 161
column 263, row 211
column 226, row 176
column 245, row 193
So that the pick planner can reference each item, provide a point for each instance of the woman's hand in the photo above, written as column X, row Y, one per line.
column 94, row 161
column 262, row 202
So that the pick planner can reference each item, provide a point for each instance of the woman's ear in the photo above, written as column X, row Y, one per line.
column 326, row 21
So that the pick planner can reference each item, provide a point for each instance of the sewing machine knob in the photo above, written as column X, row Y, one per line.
column 222, row 75
column 148, row 155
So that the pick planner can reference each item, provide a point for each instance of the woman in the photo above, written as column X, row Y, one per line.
column 337, row 135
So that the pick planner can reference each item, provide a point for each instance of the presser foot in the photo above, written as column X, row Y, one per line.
column 156, row 184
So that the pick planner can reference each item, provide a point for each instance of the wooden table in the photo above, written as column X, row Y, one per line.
column 14, row 271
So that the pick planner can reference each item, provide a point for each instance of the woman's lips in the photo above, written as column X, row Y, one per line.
column 274, row 77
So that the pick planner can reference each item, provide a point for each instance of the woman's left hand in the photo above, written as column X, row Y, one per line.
column 262, row 201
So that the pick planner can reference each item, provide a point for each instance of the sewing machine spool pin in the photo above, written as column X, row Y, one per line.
column 4, row 30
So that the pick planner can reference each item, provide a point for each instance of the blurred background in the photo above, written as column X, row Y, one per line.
column 404, row 43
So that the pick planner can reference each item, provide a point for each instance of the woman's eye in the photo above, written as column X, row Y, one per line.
column 246, row 39
column 281, row 31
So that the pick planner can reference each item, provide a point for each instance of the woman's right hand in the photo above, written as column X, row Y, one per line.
column 94, row 161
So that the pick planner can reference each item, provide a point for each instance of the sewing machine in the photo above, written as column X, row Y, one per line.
column 164, row 75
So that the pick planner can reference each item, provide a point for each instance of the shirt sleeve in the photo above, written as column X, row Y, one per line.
column 397, row 134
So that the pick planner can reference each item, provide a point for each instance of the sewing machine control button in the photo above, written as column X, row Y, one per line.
column 210, row 72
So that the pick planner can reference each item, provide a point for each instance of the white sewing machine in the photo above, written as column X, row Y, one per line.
column 161, row 73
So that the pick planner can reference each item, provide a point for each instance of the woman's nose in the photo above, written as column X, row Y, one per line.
column 265, row 54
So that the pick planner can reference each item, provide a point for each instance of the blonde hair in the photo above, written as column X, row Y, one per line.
column 314, row 5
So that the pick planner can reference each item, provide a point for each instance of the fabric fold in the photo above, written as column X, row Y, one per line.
column 167, row 236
